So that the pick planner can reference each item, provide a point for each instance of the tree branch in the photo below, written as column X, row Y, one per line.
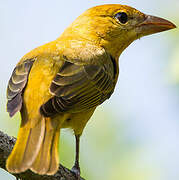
column 6, row 146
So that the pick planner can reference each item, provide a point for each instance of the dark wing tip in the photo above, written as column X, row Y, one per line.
column 14, row 105
column 16, row 85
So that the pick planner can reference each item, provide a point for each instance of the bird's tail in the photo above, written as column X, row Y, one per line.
column 36, row 148
column 47, row 160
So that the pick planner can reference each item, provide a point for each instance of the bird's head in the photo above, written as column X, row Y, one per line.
column 116, row 26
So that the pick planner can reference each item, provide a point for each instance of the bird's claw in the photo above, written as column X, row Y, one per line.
column 76, row 171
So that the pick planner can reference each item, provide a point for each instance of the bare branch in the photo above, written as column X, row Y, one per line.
column 6, row 145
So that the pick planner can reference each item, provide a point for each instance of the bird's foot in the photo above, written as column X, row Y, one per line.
column 76, row 170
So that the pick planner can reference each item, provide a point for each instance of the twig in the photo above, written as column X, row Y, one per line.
column 6, row 145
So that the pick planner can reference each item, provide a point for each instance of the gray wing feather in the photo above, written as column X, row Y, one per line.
column 77, row 88
column 16, row 85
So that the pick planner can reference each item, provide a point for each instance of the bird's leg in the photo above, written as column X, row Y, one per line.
column 76, row 167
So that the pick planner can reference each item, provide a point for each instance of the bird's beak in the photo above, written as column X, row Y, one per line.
column 152, row 25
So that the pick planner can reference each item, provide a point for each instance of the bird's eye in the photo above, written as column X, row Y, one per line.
column 121, row 17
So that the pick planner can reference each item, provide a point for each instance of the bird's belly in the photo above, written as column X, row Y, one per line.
column 77, row 121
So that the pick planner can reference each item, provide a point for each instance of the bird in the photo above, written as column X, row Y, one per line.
column 60, row 84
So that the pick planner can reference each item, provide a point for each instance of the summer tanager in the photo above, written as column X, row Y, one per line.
column 60, row 84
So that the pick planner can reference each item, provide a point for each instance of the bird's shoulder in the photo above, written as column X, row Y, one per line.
column 43, row 51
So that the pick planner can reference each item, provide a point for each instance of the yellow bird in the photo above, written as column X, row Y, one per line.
column 60, row 84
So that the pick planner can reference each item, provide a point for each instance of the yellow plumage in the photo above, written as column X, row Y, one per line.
column 60, row 84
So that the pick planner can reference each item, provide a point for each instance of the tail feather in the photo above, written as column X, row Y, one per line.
column 36, row 147
column 47, row 160
column 26, row 148
column 54, row 154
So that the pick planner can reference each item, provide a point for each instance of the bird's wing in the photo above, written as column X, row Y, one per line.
column 77, row 88
column 16, row 85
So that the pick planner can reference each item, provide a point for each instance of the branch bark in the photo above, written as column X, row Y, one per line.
column 6, row 146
